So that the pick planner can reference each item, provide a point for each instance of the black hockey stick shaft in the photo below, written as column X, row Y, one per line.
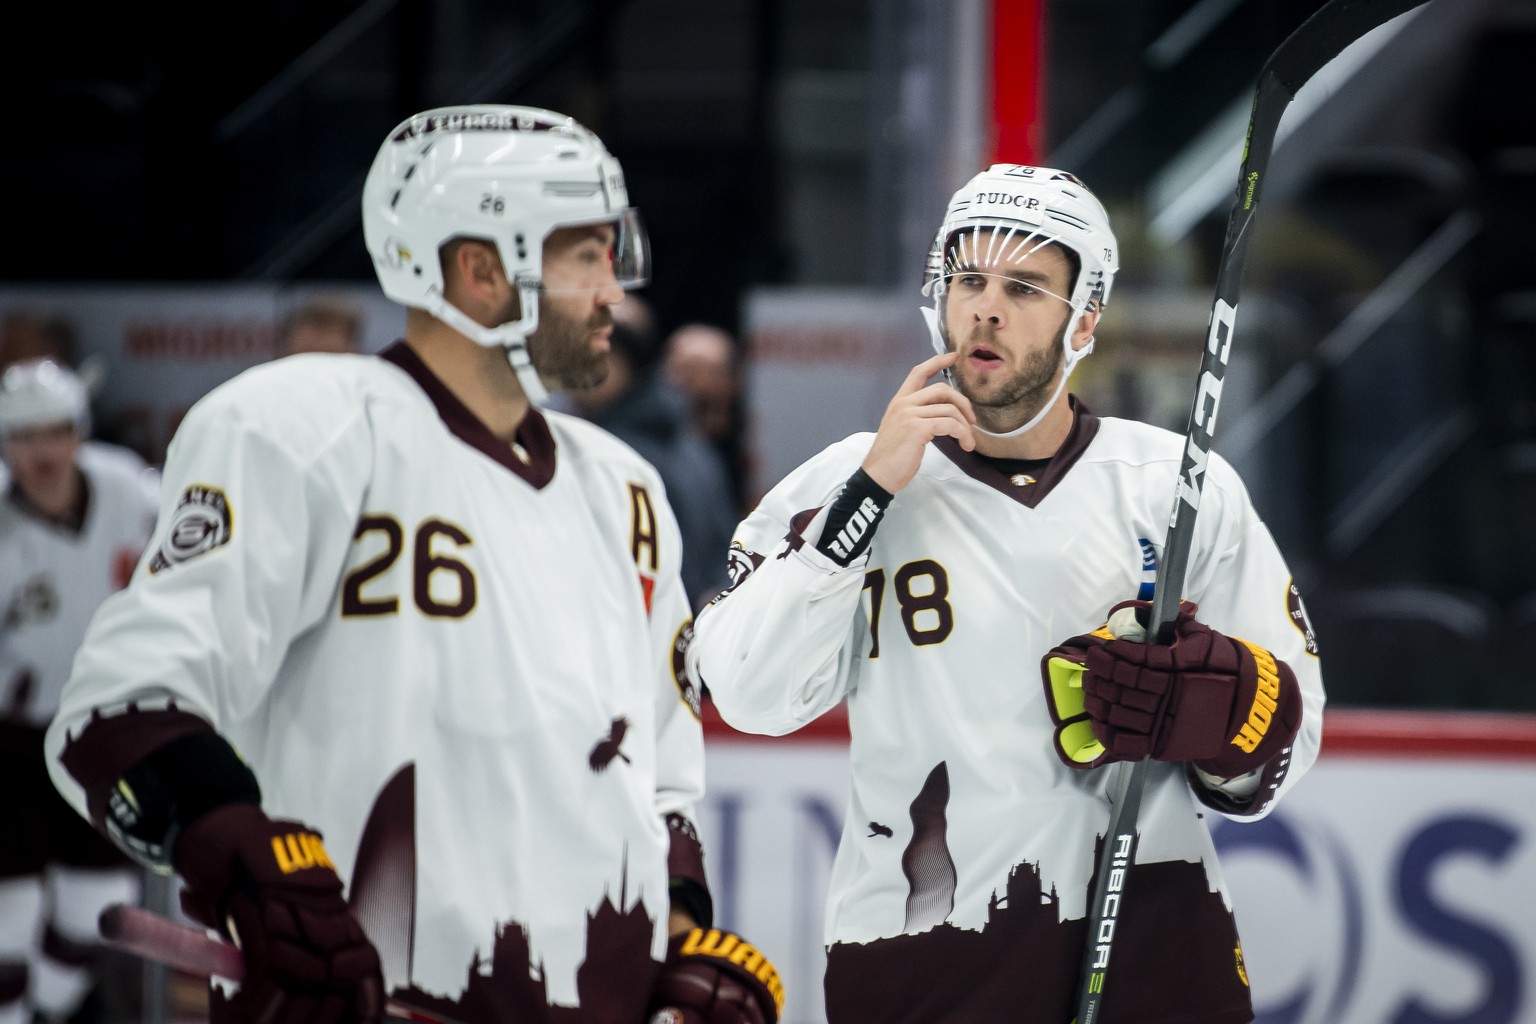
column 1316, row 42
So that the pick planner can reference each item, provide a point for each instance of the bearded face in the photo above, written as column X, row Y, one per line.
column 570, row 346
column 1007, row 321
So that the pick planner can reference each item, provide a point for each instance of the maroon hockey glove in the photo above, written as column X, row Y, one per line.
column 713, row 976
column 270, row 887
column 1222, row 703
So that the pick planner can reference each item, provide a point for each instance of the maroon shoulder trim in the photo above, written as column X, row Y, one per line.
column 533, row 433
column 1027, row 489
column 109, row 745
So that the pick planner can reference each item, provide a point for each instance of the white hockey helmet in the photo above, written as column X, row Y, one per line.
column 1007, row 212
column 508, row 175
column 40, row 392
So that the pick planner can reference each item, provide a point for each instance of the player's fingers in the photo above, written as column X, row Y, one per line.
column 945, row 420
column 964, row 404
column 941, row 393
column 923, row 370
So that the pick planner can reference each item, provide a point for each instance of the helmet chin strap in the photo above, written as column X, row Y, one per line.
column 1070, row 359
column 511, row 336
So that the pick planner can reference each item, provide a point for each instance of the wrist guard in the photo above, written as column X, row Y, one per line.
column 171, row 787
column 851, row 520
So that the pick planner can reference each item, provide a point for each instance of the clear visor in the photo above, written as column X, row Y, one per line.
column 580, row 259
column 1002, row 251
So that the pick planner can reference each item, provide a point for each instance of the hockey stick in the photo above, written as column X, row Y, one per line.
column 1304, row 52
column 148, row 935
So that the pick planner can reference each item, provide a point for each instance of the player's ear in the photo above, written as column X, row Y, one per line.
column 472, row 271
column 1082, row 333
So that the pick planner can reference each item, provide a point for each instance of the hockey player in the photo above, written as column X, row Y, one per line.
column 950, row 577
column 74, row 517
column 399, row 688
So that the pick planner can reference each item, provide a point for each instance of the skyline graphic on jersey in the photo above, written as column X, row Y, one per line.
column 926, row 861
column 382, row 895
column 1024, row 961
column 509, row 986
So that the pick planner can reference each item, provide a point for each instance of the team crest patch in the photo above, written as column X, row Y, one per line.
column 1299, row 617
column 1242, row 968
column 200, row 522
column 739, row 562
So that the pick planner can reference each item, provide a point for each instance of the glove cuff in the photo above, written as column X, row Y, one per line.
column 1061, row 672
column 1263, row 725
column 732, row 955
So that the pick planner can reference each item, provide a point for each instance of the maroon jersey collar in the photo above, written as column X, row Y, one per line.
column 1027, row 481
column 532, row 434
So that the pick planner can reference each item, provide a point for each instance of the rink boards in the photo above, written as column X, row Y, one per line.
column 1396, row 883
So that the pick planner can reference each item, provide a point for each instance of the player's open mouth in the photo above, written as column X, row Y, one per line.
column 985, row 358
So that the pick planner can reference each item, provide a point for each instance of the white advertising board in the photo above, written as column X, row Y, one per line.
column 1395, row 885
column 160, row 349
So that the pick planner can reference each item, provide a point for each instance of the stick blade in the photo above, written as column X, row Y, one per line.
column 1326, row 34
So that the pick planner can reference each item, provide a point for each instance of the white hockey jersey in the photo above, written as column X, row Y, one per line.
column 458, row 659
column 53, row 578
column 960, row 887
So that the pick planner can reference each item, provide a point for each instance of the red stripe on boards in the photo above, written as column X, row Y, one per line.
column 1347, row 732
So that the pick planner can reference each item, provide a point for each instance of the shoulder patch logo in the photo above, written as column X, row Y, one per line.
column 1299, row 617
column 685, row 688
column 200, row 522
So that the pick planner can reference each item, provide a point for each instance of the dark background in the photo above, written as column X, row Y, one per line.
column 184, row 143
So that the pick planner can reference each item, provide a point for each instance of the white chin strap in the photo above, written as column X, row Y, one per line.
column 1070, row 359
column 511, row 336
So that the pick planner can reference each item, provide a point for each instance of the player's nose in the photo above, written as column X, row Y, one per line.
column 989, row 306
column 610, row 292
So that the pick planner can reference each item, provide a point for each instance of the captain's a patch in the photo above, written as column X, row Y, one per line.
column 201, row 521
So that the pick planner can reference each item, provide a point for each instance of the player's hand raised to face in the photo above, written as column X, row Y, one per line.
column 915, row 416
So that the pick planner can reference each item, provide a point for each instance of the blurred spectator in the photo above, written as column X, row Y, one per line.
column 25, row 336
column 320, row 327
column 703, row 361
column 75, row 515
column 636, row 403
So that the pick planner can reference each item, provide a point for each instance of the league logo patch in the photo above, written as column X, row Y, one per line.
column 1299, row 617
column 201, row 522
column 690, row 693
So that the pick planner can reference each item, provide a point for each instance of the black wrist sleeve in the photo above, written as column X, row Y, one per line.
column 852, row 518
column 171, row 787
